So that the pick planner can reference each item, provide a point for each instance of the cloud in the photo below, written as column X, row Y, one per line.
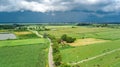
column 114, row 6
column 59, row 5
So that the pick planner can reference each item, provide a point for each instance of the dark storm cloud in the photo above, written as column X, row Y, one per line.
column 59, row 5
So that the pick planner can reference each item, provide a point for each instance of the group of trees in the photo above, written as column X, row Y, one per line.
column 38, row 28
column 67, row 38
column 10, row 26
column 21, row 28
column 15, row 27
column 100, row 25
column 7, row 27
column 83, row 24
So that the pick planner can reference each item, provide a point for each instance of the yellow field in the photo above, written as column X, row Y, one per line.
column 87, row 41
column 22, row 33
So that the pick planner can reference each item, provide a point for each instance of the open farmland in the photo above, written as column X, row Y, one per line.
column 93, row 47
column 84, row 32
column 91, row 42
column 24, row 53
column 76, row 54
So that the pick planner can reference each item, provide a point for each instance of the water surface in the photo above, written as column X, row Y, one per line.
column 5, row 36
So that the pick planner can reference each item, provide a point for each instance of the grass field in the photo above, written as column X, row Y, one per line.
column 86, row 32
column 105, row 61
column 74, row 54
column 21, row 42
column 94, row 40
column 71, row 54
column 29, row 53
column 116, row 65
column 25, row 35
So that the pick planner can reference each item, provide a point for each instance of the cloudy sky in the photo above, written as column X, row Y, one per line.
column 59, row 10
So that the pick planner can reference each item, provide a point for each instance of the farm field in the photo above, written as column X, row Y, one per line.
column 24, row 34
column 108, row 40
column 108, row 60
column 84, row 32
column 76, row 54
column 24, row 53
column 93, row 47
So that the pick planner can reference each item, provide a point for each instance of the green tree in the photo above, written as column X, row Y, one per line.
column 64, row 37
column 67, row 39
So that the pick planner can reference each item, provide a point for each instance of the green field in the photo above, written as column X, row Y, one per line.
column 78, row 53
column 74, row 54
column 30, row 51
column 24, row 53
column 105, row 61
column 86, row 32
column 21, row 42
column 24, row 34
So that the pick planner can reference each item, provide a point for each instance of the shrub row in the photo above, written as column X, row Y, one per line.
column 56, row 52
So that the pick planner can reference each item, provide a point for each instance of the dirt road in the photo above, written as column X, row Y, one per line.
column 50, row 54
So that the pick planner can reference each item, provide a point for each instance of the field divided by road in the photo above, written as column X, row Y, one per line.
column 78, row 53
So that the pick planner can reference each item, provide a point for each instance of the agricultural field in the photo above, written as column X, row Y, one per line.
column 76, row 54
column 91, row 42
column 83, row 32
column 24, row 34
column 93, row 47
column 24, row 53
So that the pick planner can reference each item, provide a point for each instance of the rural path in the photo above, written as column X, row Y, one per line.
column 50, row 54
column 36, row 32
column 95, row 57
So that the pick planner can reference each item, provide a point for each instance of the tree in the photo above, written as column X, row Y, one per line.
column 64, row 37
column 67, row 39
column 70, row 39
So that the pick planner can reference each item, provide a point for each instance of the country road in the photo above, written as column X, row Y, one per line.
column 50, row 54
column 95, row 57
